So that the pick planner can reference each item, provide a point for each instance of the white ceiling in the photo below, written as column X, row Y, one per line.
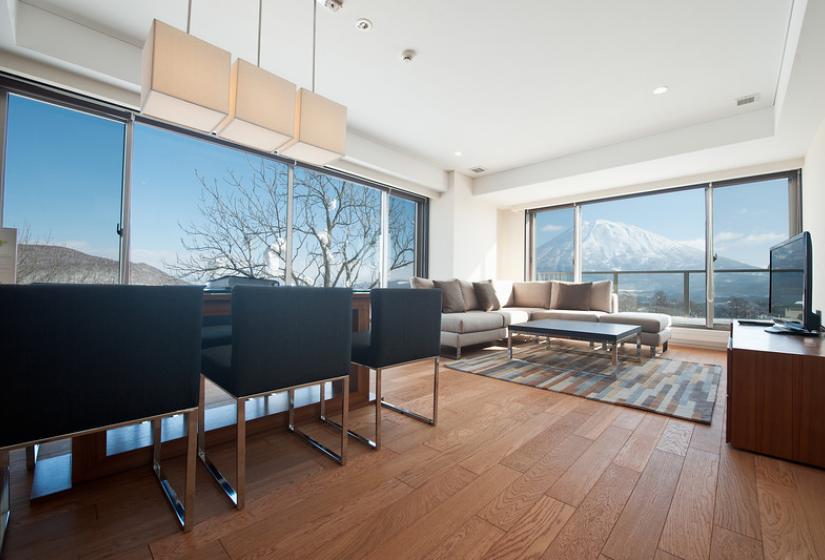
column 506, row 83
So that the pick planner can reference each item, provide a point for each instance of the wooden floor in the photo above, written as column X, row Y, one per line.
column 510, row 472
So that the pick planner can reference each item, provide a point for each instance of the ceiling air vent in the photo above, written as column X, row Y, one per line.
column 477, row 169
column 747, row 100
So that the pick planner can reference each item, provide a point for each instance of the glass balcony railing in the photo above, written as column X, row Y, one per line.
column 738, row 293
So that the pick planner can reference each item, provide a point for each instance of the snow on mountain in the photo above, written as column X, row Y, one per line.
column 608, row 245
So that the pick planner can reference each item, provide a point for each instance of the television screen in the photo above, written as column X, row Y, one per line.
column 788, row 269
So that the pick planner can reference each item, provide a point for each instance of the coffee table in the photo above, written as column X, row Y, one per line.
column 609, row 335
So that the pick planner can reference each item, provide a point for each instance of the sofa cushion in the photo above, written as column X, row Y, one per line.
column 573, row 296
column 650, row 322
column 469, row 294
column 486, row 295
column 471, row 321
column 600, row 295
column 418, row 282
column 531, row 294
column 569, row 315
column 452, row 301
column 519, row 314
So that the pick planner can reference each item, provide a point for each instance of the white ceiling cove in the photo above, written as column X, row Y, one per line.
column 507, row 84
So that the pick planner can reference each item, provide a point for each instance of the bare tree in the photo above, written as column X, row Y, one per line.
column 242, row 229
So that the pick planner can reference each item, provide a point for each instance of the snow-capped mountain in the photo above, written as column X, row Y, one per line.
column 608, row 245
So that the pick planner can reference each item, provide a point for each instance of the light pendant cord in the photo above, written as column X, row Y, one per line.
column 314, row 38
column 189, row 17
column 260, row 17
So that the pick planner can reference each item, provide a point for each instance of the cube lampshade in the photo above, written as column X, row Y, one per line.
column 184, row 80
column 320, row 129
column 261, row 108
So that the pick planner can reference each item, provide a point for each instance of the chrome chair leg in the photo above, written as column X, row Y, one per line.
column 5, row 495
column 340, row 458
column 236, row 494
column 415, row 415
column 373, row 443
column 184, row 510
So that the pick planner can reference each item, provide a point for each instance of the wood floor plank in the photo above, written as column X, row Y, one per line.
column 785, row 531
column 662, row 555
column 534, row 531
column 688, row 529
column 676, row 437
column 709, row 437
column 629, row 419
column 641, row 443
column 587, row 530
column 737, row 502
column 574, row 485
column 491, row 454
column 470, row 542
column 512, row 504
column 437, row 526
column 387, row 522
column 728, row 545
column 598, row 422
column 811, row 484
column 636, row 533
column 531, row 452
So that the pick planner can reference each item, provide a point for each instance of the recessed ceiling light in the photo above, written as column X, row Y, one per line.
column 660, row 90
column 458, row 154
column 363, row 24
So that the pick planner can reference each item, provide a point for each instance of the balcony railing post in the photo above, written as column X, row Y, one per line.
column 616, row 281
column 686, row 295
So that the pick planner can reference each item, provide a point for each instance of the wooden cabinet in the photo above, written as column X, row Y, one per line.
column 776, row 394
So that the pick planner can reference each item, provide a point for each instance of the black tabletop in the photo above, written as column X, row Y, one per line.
column 584, row 330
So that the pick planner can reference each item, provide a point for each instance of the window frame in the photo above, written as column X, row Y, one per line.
column 795, row 226
column 11, row 84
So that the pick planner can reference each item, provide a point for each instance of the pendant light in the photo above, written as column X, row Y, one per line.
column 261, row 105
column 320, row 123
column 185, row 80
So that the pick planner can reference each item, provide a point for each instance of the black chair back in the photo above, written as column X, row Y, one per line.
column 406, row 325
column 79, row 357
column 288, row 336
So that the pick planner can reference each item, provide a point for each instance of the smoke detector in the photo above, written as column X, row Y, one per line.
column 363, row 24
column 407, row 56
column 332, row 5
column 478, row 170
column 747, row 100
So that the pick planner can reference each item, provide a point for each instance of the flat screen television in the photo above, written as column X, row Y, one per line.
column 791, row 285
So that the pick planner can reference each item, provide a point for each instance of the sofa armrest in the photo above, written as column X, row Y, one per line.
column 614, row 303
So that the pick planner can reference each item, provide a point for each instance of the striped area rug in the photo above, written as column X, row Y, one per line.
column 673, row 387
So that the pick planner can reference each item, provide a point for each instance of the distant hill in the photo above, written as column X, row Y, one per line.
column 608, row 245
column 54, row 264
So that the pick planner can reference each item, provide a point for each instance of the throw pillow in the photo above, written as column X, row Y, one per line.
column 573, row 297
column 486, row 294
column 418, row 282
column 531, row 294
column 470, row 300
column 600, row 294
column 451, row 299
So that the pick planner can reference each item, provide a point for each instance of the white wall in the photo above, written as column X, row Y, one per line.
column 813, row 210
column 463, row 233
column 511, row 244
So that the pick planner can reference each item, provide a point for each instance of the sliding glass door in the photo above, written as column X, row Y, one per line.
column 749, row 217
column 553, row 232
column 63, row 180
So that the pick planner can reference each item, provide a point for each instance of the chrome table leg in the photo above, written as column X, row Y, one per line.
column 509, row 344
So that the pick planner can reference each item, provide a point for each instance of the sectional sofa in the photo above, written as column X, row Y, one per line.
column 468, row 319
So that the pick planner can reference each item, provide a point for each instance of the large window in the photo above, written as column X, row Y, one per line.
column 202, row 211
column 192, row 210
column 654, row 248
column 554, row 235
column 63, row 181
